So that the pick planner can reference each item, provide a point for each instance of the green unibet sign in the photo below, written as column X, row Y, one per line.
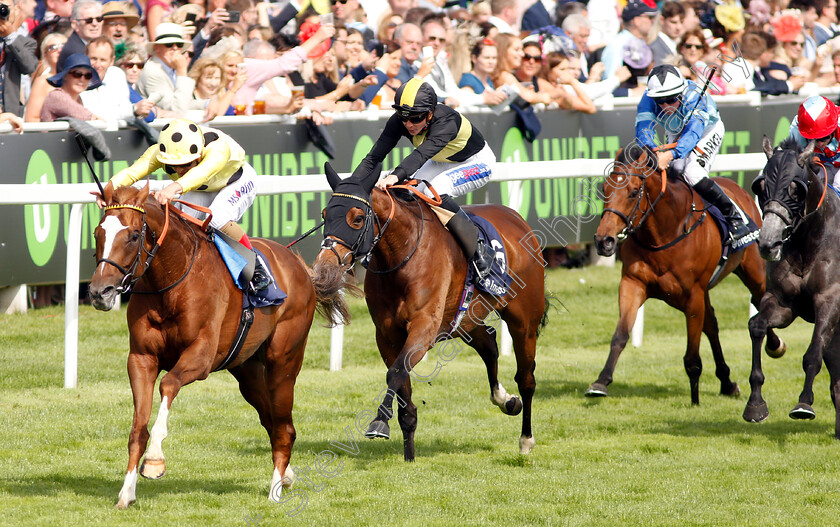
column 41, row 221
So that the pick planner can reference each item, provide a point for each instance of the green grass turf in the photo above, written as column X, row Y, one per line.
column 642, row 456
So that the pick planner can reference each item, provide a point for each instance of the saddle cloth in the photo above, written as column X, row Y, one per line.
column 730, row 246
column 498, row 281
column 270, row 296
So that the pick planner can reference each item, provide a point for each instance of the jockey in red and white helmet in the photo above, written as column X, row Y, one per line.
column 817, row 120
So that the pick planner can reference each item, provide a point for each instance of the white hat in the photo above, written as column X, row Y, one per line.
column 167, row 33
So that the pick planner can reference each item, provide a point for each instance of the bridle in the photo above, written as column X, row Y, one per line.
column 629, row 226
column 796, row 218
column 372, row 219
column 131, row 274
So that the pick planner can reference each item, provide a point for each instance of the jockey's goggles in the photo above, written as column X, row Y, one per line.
column 825, row 139
column 667, row 100
column 413, row 117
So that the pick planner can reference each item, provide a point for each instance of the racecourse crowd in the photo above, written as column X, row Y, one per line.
column 149, row 59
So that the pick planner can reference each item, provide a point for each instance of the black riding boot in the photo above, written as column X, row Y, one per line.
column 475, row 250
column 711, row 192
column 260, row 280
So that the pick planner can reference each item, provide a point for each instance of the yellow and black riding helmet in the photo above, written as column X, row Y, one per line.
column 415, row 97
column 181, row 142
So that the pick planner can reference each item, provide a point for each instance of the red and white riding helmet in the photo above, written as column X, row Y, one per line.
column 817, row 117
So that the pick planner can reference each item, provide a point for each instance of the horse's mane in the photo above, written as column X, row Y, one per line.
column 790, row 144
column 630, row 155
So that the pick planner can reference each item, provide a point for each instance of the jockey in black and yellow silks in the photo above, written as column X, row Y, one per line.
column 449, row 152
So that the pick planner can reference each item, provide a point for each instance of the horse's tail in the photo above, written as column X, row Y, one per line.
column 550, row 300
column 330, row 283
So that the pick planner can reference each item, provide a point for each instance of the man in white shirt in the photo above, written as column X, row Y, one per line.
column 111, row 99
column 505, row 16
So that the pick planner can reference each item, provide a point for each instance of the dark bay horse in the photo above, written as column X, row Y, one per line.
column 801, row 242
column 413, row 289
column 187, row 322
column 671, row 250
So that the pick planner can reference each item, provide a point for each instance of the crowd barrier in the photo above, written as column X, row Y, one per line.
column 79, row 195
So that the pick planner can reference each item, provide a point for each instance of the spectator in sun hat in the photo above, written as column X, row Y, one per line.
column 727, row 23
column 787, row 28
column 77, row 76
column 637, row 21
column 119, row 17
column 164, row 77
column 638, row 58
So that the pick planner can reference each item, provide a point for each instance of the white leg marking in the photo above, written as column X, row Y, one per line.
column 128, row 491
column 278, row 483
column 155, row 450
column 112, row 226
column 526, row 444
column 500, row 396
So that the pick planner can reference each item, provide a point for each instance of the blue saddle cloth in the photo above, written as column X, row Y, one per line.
column 729, row 246
column 498, row 281
column 270, row 296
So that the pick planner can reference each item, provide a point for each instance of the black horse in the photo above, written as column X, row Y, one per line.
column 801, row 242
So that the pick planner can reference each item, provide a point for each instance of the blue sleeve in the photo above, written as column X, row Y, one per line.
column 135, row 97
column 645, row 120
column 470, row 80
column 695, row 123
column 371, row 91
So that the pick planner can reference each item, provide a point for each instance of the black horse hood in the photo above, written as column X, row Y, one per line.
column 783, row 180
column 348, row 193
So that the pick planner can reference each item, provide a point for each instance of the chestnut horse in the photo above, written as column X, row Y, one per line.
column 799, row 240
column 413, row 288
column 671, row 251
column 184, row 316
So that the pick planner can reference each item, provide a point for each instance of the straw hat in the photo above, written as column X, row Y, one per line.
column 167, row 33
column 120, row 10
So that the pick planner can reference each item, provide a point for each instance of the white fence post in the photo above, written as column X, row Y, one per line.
column 336, row 347
column 638, row 330
column 71, row 298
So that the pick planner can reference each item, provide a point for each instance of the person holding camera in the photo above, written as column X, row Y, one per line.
column 17, row 55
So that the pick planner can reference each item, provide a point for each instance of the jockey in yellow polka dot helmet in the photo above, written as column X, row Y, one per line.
column 208, row 168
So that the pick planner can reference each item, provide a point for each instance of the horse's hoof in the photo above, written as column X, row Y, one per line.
column 596, row 389
column 121, row 505
column 378, row 428
column 513, row 405
column 802, row 411
column 526, row 444
column 733, row 391
column 756, row 413
column 153, row 468
column 776, row 353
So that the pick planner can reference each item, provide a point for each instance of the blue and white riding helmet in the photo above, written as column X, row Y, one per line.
column 665, row 82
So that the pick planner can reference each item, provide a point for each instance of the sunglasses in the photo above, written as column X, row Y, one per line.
column 178, row 45
column 55, row 47
column 78, row 74
column 698, row 47
column 339, row 2
column 535, row 58
column 825, row 139
column 91, row 20
column 412, row 117
column 129, row 65
column 797, row 44
column 667, row 100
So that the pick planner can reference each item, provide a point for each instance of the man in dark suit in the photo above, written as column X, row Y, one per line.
column 86, row 21
column 538, row 16
column 17, row 57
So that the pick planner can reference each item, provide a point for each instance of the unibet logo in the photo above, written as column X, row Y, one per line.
column 41, row 221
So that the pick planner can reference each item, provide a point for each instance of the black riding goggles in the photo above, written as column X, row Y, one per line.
column 667, row 100
column 412, row 117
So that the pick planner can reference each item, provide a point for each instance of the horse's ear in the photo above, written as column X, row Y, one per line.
column 108, row 192
column 807, row 154
column 332, row 175
column 368, row 181
column 767, row 146
column 143, row 194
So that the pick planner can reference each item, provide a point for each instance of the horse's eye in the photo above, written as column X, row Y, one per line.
column 359, row 218
column 634, row 193
column 135, row 236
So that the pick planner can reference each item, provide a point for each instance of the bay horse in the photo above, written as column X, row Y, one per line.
column 670, row 252
column 415, row 277
column 800, row 242
column 184, row 317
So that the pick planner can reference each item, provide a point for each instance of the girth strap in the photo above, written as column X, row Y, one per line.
column 245, row 323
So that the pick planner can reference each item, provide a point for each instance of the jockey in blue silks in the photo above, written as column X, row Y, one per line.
column 691, row 119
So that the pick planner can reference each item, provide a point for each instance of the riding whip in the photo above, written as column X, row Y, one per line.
column 83, row 147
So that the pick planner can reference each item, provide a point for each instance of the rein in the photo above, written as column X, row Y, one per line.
column 130, row 275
